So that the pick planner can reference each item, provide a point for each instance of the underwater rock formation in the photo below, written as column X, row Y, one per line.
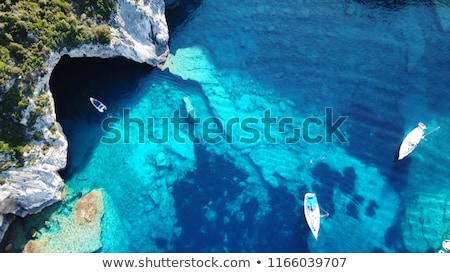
column 80, row 232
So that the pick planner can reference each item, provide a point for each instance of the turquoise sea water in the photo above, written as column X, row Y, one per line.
column 385, row 68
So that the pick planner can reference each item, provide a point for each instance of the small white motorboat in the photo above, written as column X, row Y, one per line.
column 100, row 106
column 312, row 213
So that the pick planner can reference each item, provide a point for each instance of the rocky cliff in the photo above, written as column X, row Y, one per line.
column 140, row 33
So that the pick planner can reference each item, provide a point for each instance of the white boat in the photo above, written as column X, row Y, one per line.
column 100, row 106
column 446, row 245
column 312, row 213
column 411, row 141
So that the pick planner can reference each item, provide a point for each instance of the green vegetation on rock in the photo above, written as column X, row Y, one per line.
column 101, row 9
column 29, row 31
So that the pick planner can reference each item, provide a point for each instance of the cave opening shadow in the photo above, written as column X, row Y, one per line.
column 72, row 82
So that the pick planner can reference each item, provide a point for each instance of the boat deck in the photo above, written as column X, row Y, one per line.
column 446, row 245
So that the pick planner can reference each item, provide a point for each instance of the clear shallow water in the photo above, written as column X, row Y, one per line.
column 386, row 69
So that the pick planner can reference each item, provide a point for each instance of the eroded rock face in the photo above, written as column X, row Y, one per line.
column 80, row 232
column 140, row 33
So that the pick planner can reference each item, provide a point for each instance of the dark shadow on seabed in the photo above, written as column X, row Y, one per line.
column 215, row 185
column 393, row 4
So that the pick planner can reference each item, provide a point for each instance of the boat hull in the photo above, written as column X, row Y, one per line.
column 446, row 245
column 412, row 139
column 98, row 104
column 312, row 213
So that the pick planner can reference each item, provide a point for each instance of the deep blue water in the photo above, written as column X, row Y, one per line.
column 383, row 66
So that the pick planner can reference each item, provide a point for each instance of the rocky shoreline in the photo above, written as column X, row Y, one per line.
column 140, row 33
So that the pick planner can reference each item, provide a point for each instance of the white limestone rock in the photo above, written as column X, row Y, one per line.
column 140, row 31
column 36, row 185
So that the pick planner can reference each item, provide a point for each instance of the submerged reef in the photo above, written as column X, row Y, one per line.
column 77, row 233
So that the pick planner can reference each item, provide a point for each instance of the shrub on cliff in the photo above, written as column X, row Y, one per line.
column 101, row 10
column 103, row 34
